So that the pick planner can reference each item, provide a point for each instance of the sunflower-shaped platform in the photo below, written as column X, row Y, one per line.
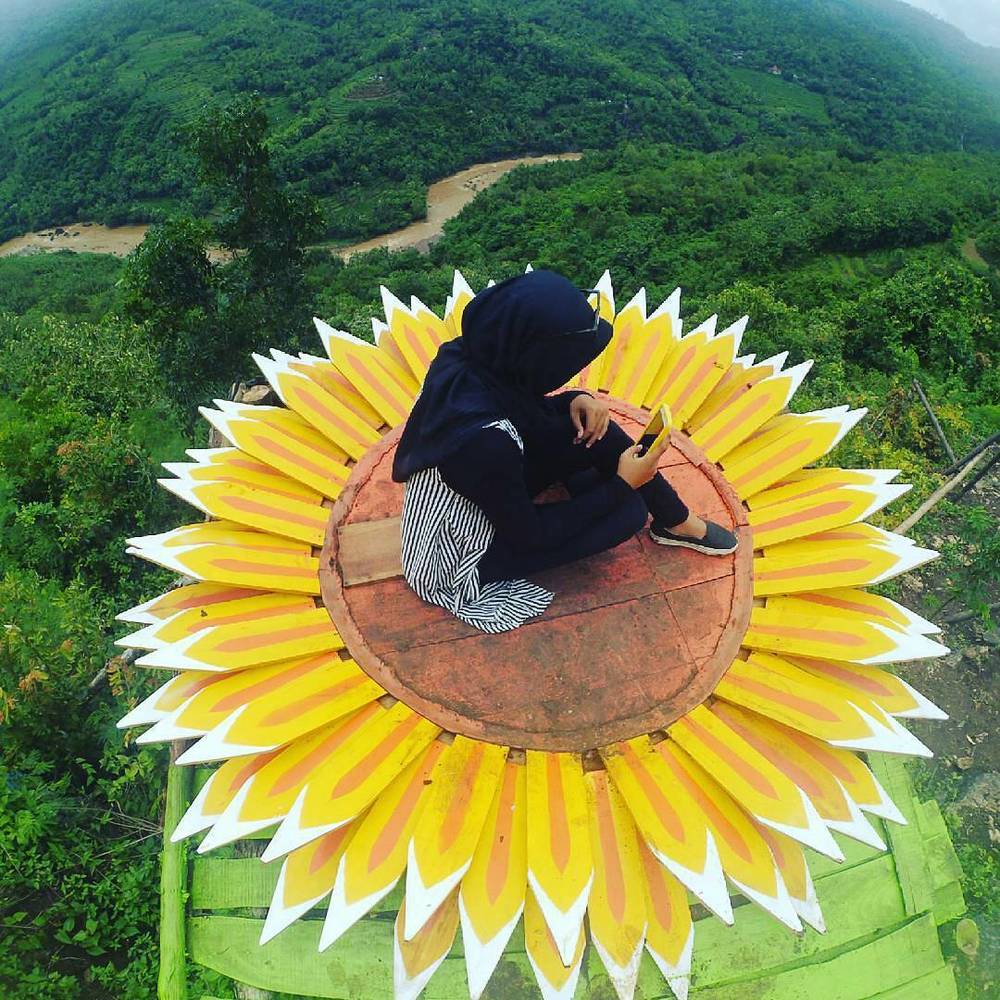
column 672, row 728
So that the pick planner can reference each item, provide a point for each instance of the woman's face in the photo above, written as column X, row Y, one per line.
column 550, row 362
column 520, row 329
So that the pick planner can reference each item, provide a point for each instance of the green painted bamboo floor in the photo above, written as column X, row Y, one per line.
column 882, row 910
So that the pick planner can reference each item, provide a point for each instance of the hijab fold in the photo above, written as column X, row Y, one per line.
column 517, row 344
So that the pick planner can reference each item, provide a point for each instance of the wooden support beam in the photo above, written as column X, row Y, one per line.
column 938, row 495
column 982, row 446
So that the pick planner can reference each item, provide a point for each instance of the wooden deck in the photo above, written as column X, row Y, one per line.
column 882, row 910
column 616, row 654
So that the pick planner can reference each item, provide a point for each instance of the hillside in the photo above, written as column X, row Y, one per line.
column 373, row 99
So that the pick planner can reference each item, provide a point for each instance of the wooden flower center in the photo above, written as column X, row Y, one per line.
column 635, row 637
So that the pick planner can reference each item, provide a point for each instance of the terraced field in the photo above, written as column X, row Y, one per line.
column 783, row 97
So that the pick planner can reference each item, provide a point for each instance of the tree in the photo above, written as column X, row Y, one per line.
column 266, row 226
column 205, row 318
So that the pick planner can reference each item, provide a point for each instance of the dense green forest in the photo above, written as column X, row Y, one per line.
column 850, row 204
column 372, row 99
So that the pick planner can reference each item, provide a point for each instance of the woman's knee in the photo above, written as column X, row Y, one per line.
column 628, row 517
column 617, row 436
column 605, row 453
column 636, row 513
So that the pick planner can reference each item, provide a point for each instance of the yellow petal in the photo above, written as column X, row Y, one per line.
column 616, row 909
column 283, row 440
column 316, row 406
column 415, row 960
column 255, row 508
column 387, row 386
column 249, row 644
column 756, row 784
column 668, row 819
column 307, row 875
column 643, row 351
column 463, row 787
column 745, row 856
column 560, row 866
column 365, row 763
column 375, row 856
column 669, row 928
column 795, row 440
column 556, row 978
column 493, row 889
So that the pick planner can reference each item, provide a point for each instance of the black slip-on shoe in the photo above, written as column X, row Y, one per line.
column 717, row 541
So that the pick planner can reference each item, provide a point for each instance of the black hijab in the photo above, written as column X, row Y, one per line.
column 516, row 346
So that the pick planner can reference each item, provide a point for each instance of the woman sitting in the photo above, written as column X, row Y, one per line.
column 484, row 438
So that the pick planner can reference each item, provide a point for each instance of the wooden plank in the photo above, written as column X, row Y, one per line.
column 906, row 842
column 369, row 550
column 855, row 853
column 946, row 874
column 929, row 818
column 360, row 965
column 357, row 965
column 756, row 942
column 231, row 883
column 936, row 985
column 876, row 963
column 949, row 902
column 172, row 981
column 226, row 883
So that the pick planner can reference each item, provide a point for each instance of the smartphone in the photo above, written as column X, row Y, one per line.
column 657, row 430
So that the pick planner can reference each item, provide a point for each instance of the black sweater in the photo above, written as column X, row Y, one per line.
column 489, row 470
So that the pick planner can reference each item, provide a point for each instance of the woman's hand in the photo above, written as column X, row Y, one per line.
column 590, row 418
column 636, row 469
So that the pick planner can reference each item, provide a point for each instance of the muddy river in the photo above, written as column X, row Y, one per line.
column 445, row 199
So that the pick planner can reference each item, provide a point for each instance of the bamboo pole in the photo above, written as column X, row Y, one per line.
column 984, row 471
column 938, row 495
column 982, row 446
column 172, row 982
column 965, row 616
column 934, row 421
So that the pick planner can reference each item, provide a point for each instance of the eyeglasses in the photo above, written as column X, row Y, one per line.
column 597, row 314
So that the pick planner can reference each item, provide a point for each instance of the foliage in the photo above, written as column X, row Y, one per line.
column 60, row 282
column 980, row 865
column 79, row 848
column 373, row 99
column 169, row 274
column 988, row 243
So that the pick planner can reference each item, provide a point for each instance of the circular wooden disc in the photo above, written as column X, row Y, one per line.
column 635, row 637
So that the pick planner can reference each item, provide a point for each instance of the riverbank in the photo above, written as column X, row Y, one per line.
column 445, row 199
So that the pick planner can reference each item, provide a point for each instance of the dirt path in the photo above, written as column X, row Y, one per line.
column 445, row 199
column 971, row 252
column 83, row 237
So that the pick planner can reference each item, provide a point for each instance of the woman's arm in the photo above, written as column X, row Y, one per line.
column 488, row 470
column 559, row 402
